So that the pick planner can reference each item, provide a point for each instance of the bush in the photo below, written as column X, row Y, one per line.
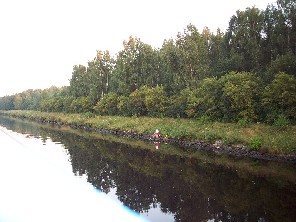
column 280, row 96
column 211, row 136
column 123, row 106
column 80, row 105
column 209, row 101
column 204, row 120
column 177, row 104
column 256, row 143
column 242, row 90
column 281, row 121
column 155, row 101
column 137, row 102
column 88, row 115
column 107, row 105
column 244, row 122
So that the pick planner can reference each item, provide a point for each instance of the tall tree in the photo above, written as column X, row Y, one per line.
column 288, row 11
column 126, row 73
column 171, row 66
column 194, row 50
column 98, row 75
column 217, row 54
column 78, row 85
column 279, row 41
column 244, row 37
column 185, row 60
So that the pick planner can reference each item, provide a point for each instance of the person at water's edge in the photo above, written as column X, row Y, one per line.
column 200, row 145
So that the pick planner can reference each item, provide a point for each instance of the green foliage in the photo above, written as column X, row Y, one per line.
column 206, row 100
column 156, row 101
column 51, row 105
column 244, row 38
column 244, row 122
column 81, row 105
column 7, row 103
column 242, row 90
column 280, row 96
column 283, row 63
column 177, row 104
column 193, row 104
column 194, row 52
column 211, row 136
column 230, row 140
column 259, row 135
column 78, row 85
column 256, row 143
column 167, row 131
column 107, row 105
column 88, row 115
column 203, row 120
column 67, row 101
column 244, row 75
column 98, row 76
column 136, row 66
column 123, row 106
column 281, row 121
column 137, row 102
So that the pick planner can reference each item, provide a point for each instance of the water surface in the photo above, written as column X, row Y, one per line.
column 165, row 184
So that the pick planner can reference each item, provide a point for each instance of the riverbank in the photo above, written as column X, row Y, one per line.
column 257, row 141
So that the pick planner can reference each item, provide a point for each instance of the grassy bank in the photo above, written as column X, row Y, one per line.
column 272, row 139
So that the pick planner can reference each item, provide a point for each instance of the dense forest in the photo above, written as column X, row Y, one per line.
column 247, row 73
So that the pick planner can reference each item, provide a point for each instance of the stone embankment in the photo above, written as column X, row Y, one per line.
column 217, row 148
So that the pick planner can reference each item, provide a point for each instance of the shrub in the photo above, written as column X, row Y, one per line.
column 211, row 136
column 209, row 99
column 107, row 105
column 281, row 121
column 177, row 104
column 137, row 102
column 204, row 120
column 244, row 122
column 80, row 105
column 280, row 96
column 88, row 115
column 256, row 143
column 155, row 101
column 242, row 90
column 123, row 106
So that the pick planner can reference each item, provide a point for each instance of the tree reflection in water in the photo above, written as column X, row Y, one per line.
column 186, row 187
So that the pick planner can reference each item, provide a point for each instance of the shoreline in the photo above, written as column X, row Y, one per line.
column 198, row 145
column 231, row 150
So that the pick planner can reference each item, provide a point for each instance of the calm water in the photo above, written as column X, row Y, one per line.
column 165, row 184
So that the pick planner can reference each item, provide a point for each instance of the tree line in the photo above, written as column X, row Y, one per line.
column 247, row 73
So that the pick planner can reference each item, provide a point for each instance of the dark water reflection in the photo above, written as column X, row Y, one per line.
column 181, row 188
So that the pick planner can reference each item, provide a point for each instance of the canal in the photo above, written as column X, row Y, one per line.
column 144, row 182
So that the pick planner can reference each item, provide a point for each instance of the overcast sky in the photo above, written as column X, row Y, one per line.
column 41, row 40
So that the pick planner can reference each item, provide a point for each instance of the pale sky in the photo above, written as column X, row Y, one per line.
column 41, row 40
